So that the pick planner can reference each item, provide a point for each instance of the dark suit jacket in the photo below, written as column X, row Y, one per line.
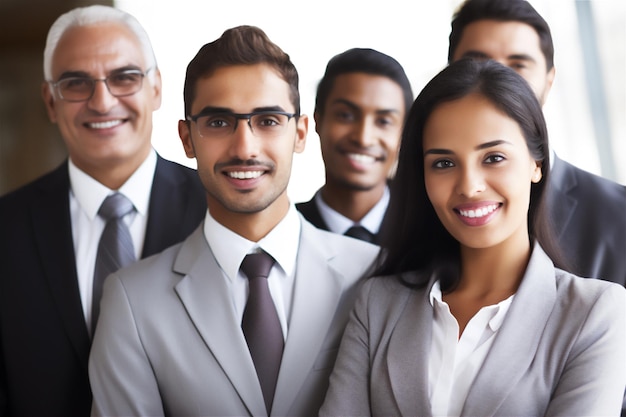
column 310, row 212
column 589, row 214
column 44, row 342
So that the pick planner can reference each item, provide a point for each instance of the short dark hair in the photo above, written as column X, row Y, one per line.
column 362, row 60
column 241, row 45
column 413, row 236
column 505, row 11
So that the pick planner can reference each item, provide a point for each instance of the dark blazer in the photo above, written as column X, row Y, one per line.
column 589, row 214
column 44, row 342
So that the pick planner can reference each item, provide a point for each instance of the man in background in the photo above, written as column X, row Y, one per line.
column 587, row 210
column 360, row 107
column 114, row 200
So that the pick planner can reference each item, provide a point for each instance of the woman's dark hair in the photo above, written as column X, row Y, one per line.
column 413, row 236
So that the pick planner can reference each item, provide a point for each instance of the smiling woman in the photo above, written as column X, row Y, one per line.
column 467, row 262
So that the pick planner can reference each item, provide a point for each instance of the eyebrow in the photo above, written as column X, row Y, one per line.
column 213, row 110
column 83, row 74
column 486, row 145
column 353, row 106
column 482, row 55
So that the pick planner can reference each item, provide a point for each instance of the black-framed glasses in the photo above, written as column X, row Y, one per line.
column 120, row 84
column 265, row 124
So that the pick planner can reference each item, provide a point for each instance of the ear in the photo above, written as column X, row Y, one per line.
column 537, row 174
column 156, row 89
column 185, row 137
column 48, row 99
column 302, row 129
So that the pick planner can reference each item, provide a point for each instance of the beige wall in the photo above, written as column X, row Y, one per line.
column 30, row 144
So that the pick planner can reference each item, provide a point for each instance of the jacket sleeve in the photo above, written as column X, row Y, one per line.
column 120, row 373
column 348, row 393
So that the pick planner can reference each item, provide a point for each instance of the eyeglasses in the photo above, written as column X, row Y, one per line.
column 264, row 124
column 119, row 84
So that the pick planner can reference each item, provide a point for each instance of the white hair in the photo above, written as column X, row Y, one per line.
column 87, row 16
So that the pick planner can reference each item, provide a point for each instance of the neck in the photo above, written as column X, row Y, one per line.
column 252, row 226
column 350, row 202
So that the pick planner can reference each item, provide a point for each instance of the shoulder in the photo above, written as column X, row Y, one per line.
column 594, row 186
column 586, row 292
column 51, row 182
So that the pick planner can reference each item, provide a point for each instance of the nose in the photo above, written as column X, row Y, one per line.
column 101, row 101
column 470, row 182
column 244, row 144
column 364, row 133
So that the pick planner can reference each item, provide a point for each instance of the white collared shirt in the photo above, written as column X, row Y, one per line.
column 281, row 243
column 86, row 197
column 454, row 362
column 338, row 223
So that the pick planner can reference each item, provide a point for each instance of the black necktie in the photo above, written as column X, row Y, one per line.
column 360, row 232
column 115, row 249
column 261, row 325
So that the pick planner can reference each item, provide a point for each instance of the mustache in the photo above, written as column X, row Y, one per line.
column 236, row 162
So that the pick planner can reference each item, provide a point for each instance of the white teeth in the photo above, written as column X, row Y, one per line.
column 481, row 212
column 105, row 125
column 245, row 175
column 360, row 158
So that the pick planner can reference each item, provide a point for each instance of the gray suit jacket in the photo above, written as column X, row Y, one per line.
column 168, row 342
column 561, row 350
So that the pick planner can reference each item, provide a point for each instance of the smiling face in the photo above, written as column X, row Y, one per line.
column 105, row 133
column 478, row 173
column 511, row 43
column 243, row 173
column 360, row 130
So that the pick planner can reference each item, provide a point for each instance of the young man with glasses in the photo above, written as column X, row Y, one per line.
column 176, row 335
column 101, row 86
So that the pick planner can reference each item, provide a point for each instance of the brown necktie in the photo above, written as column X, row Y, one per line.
column 261, row 325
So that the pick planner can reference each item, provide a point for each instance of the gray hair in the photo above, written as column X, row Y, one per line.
column 86, row 16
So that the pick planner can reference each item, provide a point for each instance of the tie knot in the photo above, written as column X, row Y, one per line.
column 115, row 206
column 257, row 265
column 360, row 232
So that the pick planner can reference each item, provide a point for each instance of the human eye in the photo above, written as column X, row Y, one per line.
column 215, row 121
column 442, row 163
column 268, row 121
column 385, row 121
column 494, row 159
column 75, row 83
column 125, row 78
column 344, row 116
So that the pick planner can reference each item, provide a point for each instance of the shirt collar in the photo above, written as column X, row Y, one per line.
column 497, row 311
column 229, row 248
column 338, row 223
column 90, row 193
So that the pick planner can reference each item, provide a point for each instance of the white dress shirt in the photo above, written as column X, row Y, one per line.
column 281, row 243
column 86, row 197
column 338, row 223
column 454, row 362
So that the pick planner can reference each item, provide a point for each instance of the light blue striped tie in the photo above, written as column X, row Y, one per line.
column 115, row 249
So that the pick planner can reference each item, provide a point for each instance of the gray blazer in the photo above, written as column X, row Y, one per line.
column 168, row 342
column 561, row 351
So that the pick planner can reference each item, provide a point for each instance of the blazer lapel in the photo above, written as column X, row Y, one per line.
column 561, row 205
column 207, row 299
column 51, row 220
column 318, row 288
column 412, row 334
column 518, row 338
